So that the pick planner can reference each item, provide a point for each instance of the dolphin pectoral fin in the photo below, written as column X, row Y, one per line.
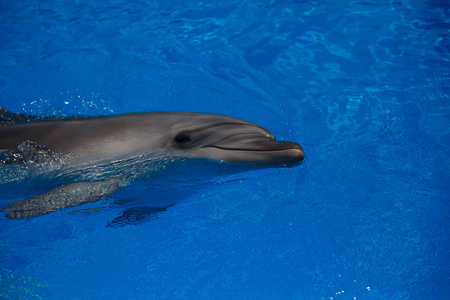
column 65, row 196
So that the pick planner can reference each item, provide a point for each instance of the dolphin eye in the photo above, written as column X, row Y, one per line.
column 182, row 138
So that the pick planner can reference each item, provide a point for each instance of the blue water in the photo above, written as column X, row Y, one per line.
column 363, row 86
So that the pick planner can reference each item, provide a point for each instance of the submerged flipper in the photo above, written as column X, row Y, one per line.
column 65, row 196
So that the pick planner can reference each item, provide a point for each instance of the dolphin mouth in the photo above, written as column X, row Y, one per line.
column 261, row 146
column 268, row 152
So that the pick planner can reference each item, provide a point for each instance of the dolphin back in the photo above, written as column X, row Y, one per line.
column 10, row 118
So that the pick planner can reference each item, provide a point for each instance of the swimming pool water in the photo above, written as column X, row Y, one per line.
column 363, row 86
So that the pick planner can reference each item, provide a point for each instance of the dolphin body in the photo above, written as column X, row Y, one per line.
column 116, row 138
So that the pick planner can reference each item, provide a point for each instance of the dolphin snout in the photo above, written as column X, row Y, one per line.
column 298, row 154
column 288, row 151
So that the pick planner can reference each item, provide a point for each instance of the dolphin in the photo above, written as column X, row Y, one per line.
column 117, row 138
column 194, row 134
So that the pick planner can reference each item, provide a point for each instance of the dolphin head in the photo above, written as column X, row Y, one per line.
column 232, row 140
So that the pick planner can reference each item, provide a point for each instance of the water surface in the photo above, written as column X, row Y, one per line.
column 363, row 86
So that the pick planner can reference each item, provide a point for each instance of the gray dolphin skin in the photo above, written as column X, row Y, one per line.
column 188, row 135
column 194, row 134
